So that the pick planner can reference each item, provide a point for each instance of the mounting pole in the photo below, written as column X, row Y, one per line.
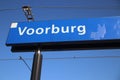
column 37, row 65
column 37, row 60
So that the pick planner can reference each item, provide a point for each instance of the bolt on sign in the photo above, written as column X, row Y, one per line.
column 81, row 33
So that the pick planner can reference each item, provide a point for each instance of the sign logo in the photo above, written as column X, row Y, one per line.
column 100, row 33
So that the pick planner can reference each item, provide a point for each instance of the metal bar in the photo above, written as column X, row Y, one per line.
column 37, row 65
column 25, row 63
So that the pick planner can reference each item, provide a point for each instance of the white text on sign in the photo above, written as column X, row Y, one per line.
column 81, row 29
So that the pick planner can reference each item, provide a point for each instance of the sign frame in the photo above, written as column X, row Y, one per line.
column 101, row 41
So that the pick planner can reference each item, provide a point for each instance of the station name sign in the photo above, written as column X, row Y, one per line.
column 53, row 29
column 63, row 31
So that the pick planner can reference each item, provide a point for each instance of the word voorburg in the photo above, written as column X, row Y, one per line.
column 81, row 30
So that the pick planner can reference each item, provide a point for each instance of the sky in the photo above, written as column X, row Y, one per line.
column 59, row 65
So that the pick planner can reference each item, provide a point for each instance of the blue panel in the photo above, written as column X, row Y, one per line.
column 64, row 30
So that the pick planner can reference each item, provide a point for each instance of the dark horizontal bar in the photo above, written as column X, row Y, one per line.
column 58, row 46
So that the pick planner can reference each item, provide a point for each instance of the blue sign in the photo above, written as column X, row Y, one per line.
column 53, row 31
